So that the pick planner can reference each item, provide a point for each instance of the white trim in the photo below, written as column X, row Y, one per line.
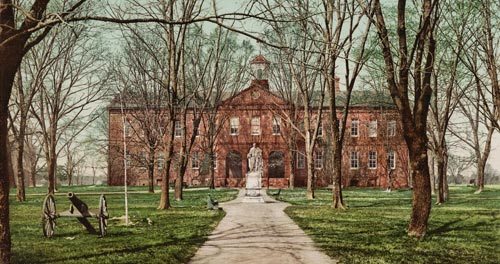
column 372, row 129
column 369, row 160
column 354, row 121
column 351, row 160
column 252, row 132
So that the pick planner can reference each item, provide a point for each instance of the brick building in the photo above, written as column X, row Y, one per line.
column 374, row 149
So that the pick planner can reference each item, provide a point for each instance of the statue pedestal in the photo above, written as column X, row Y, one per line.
column 253, row 187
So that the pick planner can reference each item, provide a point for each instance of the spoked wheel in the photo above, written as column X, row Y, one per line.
column 49, row 215
column 103, row 216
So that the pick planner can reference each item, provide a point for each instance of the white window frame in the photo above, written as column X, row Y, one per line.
column 234, row 126
column 318, row 160
column 214, row 160
column 276, row 125
column 160, row 161
column 301, row 161
column 391, row 159
column 372, row 128
column 127, row 127
column 128, row 160
column 177, row 129
column 354, row 160
column 195, row 161
column 255, row 123
column 355, row 127
column 320, row 129
column 391, row 128
column 372, row 160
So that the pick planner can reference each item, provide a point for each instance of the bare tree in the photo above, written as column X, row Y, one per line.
column 30, row 76
column 447, row 89
column 341, row 21
column 75, row 157
column 489, row 41
column 413, row 111
column 479, row 129
column 140, row 78
column 301, row 58
column 74, row 81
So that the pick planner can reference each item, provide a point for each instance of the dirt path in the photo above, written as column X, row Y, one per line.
column 258, row 233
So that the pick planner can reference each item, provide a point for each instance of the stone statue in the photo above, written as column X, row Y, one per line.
column 254, row 176
column 254, row 159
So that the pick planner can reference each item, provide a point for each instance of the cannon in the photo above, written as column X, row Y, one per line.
column 78, row 209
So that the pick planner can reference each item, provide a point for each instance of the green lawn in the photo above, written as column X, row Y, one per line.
column 173, row 237
column 464, row 230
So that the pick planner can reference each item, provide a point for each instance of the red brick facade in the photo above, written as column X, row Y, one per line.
column 365, row 158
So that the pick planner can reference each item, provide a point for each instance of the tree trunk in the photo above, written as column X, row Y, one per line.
column 212, row 170
column 51, row 172
column 310, row 174
column 33, row 176
column 480, row 175
column 165, row 178
column 11, row 58
column 180, row 178
column 151, row 177
column 21, row 192
column 432, row 175
column 446, row 193
column 440, row 177
column 151, row 170
column 291, row 147
column 338, row 200
column 4, row 182
column 10, row 166
column 421, row 204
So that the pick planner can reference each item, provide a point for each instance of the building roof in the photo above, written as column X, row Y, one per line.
column 359, row 99
column 259, row 59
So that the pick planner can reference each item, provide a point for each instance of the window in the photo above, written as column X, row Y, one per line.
column 391, row 128
column 372, row 160
column 255, row 130
column 391, row 160
column 354, row 160
column 160, row 161
column 214, row 160
column 143, row 159
column 372, row 128
column 178, row 129
column 301, row 161
column 354, row 128
column 127, row 127
column 320, row 130
column 276, row 125
column 195, row 161
column 128, row 160
column 234, row 125
column 318, row 159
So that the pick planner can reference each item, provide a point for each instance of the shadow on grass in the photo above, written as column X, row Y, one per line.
column 108, row 256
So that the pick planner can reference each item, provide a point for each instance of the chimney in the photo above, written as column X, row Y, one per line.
column 337, row 85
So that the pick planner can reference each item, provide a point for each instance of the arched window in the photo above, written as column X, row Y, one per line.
column 276, row 165
column 233, row 165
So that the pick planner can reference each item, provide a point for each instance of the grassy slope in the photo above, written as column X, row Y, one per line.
column 173, row 237
column 372, row 230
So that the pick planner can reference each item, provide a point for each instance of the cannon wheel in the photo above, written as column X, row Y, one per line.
column 49, row 215
column 103, row 215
